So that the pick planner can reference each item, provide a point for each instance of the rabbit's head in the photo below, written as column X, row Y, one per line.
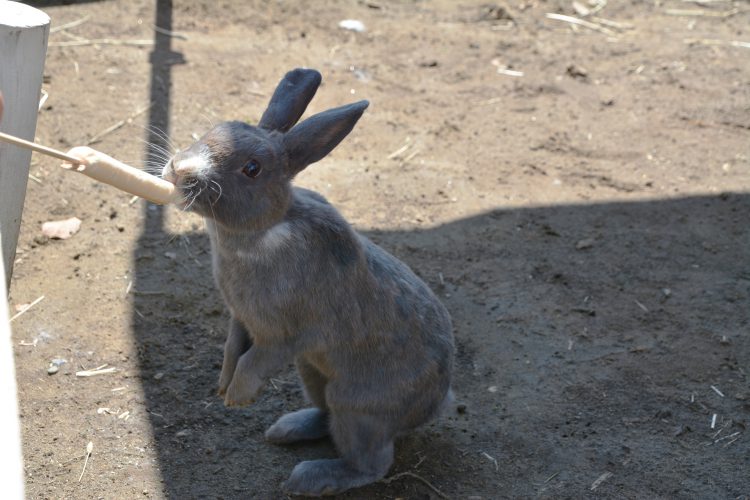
column 240, row 175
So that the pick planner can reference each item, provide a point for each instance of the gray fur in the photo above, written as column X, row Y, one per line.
column 301, row 425
column 372, row 344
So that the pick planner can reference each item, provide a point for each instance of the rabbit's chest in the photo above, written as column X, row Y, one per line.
column 256, row 293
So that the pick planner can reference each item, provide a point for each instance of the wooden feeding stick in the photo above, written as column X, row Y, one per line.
column 106, row 169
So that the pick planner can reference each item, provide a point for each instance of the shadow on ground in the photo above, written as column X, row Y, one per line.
column 588, row 338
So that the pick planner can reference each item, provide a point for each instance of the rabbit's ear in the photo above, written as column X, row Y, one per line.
column 315, row 137
column 289, row 100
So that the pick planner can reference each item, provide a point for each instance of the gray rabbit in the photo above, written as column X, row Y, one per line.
column 372, row 344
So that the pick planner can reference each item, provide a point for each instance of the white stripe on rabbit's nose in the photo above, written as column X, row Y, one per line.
column 197, row 165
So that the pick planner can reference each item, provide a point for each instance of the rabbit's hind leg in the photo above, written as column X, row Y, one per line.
column 302, row 425
column 366, row 448
column 307, row 424
column 238, row 343
column 314, row 383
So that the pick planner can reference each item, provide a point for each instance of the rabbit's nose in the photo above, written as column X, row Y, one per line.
column 191, row 164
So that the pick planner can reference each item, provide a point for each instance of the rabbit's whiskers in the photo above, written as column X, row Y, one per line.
column 157, row 156
column 172, row 237
column 195, row 197
column 213, row 225
column 208, row 119
column 219, row 192
column 160, row 134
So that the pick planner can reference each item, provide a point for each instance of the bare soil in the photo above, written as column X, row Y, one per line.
column 586, row 224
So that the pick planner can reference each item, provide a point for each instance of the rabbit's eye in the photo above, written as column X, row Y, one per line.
column 251, row 169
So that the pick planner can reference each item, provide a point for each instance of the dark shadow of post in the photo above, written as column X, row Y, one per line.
column 162, row 58
column 148, row 332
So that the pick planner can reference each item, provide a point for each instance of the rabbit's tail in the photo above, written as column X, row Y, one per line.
column 446, row 404
column 448, row 401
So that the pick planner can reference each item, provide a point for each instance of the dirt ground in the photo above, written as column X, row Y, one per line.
column 586, row 224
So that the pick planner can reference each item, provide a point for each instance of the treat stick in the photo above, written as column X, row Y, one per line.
column 37, row 147
column 106, row 169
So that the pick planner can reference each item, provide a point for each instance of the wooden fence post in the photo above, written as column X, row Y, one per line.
column 23, row 46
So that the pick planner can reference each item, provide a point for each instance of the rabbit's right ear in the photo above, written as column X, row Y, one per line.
column 315, row 137
column 290, row 99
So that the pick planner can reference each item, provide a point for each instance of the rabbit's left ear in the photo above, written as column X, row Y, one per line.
column 290, row 99
column 315, row 137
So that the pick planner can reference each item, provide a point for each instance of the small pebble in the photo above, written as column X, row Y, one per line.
column 584, row 244
column 680, row 430
column 159, row 376
column 577, row 72
column 492, row 388
column 52, row 369
column 352, row 25
column 40, row 239
column 61, row 229
column 663, row 413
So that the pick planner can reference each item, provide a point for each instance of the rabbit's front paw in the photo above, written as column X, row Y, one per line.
column 224, row 382
column 242, row 391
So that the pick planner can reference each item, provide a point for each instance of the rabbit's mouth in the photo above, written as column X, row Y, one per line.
column 190, row 190
column 168, row 173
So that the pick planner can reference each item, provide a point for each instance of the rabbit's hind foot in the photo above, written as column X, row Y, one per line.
column 316, row 478
column 366, row 448
column 302, row 425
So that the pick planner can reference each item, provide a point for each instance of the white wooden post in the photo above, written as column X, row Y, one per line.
column 11, row 471
column 23, row 46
